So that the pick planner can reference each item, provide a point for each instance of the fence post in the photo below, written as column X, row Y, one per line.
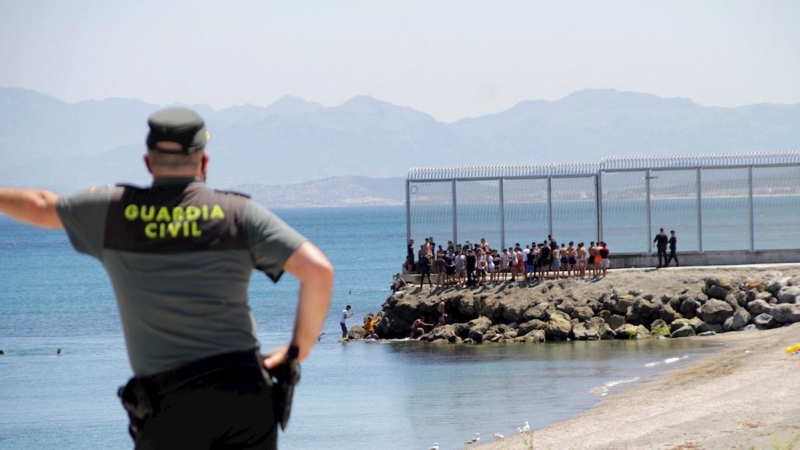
column 750, row 207
column 455, row 212
column 408, row 210
column 699, row 211
column 598, row 186
column 502, row 216
column 549, row 205
column 649, row 214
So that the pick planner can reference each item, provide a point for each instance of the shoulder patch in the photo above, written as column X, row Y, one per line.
column 240, row 194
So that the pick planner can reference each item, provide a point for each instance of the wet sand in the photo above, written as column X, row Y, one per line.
column 745, row 397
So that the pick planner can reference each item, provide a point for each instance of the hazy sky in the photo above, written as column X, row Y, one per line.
column 451, row 59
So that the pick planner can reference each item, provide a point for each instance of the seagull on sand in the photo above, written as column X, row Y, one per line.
column 474, row 440
column 435, row 446
column 524, row 429
column 498, row 436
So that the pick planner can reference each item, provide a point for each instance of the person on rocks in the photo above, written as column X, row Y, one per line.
column 581, row 261
column 544, row 260
column 418, row 327
column 572, row 260
column 346, row 314
column 461, row 266
column 398, row 283
column 472, row 262
column 441, row 314
column 424, row 268
column 410, row 257
column 590, row 266
column 449, row 269
column 661, row 241
column 673, row 244
column 369, row 327
column 605, row 262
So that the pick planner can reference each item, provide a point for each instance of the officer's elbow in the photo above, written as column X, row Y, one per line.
column 309, row 264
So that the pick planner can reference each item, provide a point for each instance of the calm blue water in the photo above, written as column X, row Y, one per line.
column 402, row 395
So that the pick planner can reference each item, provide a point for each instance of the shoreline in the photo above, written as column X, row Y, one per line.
column 745, row 396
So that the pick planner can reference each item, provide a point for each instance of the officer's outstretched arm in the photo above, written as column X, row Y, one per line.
column 315, row 273
column 33, row 206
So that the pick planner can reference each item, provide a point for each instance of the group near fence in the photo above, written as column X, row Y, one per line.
column 715, row 202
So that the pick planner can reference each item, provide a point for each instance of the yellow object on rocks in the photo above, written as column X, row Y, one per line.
column 793, row 348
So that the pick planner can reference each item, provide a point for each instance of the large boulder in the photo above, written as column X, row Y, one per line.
column 602, row 328
column 558, row 327
column 659, row 328
column 467, row 306
column 446, row 332
column 531, row 337
column 757, row 307
column 718, row 287
column 683, row 331
column 356, row 332
column 513, row 311
column 689, row 307
column 765, row 321
column 585, row 332
column 536, row 312
column 789, row 294
column 630, row 331
column 786, row 313
column 668, row 314
column 477, row 327
column 582, row 313
column 529, row 326
column 646, row 309
column 715, row 311
column 756, row 285
column 737, row 321
column 615, row 321
column 623, row 303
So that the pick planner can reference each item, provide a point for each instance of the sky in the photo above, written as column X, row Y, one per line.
column 450, row 59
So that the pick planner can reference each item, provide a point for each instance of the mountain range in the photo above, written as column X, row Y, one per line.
column 48, row 143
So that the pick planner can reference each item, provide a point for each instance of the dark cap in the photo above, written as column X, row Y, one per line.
column 181, row 125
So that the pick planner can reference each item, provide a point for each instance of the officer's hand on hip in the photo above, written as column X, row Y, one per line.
column 276, row 358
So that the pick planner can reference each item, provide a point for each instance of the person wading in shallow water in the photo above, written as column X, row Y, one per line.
column 179, row 256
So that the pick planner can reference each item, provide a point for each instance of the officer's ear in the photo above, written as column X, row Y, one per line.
column 204, row 164
column 147, row 163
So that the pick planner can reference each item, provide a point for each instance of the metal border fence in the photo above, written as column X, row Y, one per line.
column 718, row 201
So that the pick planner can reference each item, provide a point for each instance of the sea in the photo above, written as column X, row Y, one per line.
column 388, row 395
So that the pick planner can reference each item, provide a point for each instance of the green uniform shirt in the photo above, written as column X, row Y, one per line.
column 179, row 256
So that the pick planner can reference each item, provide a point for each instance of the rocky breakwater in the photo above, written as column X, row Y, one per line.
column 634, row 305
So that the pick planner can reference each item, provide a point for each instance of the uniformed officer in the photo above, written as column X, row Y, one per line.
column 179, row 256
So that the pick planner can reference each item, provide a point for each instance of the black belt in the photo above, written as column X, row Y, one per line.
column 164, row 380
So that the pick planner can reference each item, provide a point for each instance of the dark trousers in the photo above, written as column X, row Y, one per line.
column 662, row 256
column 422, row 277
column 672, row 256
column 224, row 408
column 344, row 330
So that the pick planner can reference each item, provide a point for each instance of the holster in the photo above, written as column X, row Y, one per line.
column 284, row 379
column 138, row 402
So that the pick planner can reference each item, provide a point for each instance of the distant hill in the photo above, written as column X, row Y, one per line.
column 329, row 192
column 45, row 142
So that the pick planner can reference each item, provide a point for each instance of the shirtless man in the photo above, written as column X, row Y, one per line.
column 417, row 329
column 582, row 260
column 590, row 261
column 571, row 260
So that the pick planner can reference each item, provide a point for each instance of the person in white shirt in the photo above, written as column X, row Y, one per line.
column 346, row 314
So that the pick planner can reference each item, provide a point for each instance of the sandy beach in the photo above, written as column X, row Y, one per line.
column 745, row 397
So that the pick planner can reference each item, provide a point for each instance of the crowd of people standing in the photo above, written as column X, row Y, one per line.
column 477, row 263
